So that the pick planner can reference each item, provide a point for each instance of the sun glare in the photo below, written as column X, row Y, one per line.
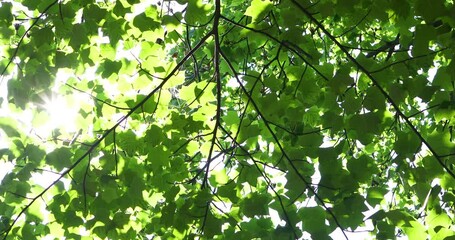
column 61, row 114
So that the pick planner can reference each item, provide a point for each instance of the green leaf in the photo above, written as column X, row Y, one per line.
column 352, row 103
column 43, row 36
column 197, row 12
column 365, row 125
column 158, row 157
column 8, row 126
column 71, row 219
column 341, row 80
column 258, row 9
column 441, row 142
column 246, row 132
column 154, row 136
column 110, row 67
column 228, row 190
column 79, row 36
column 219, row 177
column 422, row 39
column 375, row 195
column 385, row 230
column 407, row 143
column 284, row 96
column 21, row 188
column 27, row 232
column 442, row 79
column 436, row 221
column 59, row 158
column 255, row 205
column 437, row 9
column 6, row 12
column 345, row 212
column 408, row 224
column 374, row 100
column 34, row 153
column 213, row 226
column 313, row 220
column 362, row 168
column 94, row 12
column 144, row 23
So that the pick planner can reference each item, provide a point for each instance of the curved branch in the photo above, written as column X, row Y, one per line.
column 293, row 48
column 216, row 63
column 381, row 89
column 109, row 131
column 23, row 36
column 280, row 146
column 266, row 178
column 404, row 60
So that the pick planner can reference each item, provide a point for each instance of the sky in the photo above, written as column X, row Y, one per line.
column 63, row 113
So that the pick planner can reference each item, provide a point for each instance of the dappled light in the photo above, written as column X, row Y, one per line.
column 227, row 119
column 61, row 114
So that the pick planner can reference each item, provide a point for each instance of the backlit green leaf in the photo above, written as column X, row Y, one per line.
column 227, row 119
column 258, row 9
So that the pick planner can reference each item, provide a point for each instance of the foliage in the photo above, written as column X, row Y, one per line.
column 190, row 119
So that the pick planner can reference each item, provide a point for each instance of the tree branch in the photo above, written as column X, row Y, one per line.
column 22, row 38
column 376, row 83
column 280, row 146
column 99, row 140
column 216, row 64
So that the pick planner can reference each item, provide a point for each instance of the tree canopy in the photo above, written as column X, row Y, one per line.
column 225, row 119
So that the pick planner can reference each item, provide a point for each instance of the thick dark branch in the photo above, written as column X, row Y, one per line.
column 388, row 47
column 207, row 207
column 216, row 64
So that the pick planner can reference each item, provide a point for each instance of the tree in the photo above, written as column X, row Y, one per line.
column 205, row 118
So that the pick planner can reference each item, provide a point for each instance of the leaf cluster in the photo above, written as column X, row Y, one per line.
column 228, row 119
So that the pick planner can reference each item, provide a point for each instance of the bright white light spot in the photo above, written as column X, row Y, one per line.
column 232, row 83
column 275, row 217
column 45, row 179
column 432, row 72
column 5, row 167
column 61, row 113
